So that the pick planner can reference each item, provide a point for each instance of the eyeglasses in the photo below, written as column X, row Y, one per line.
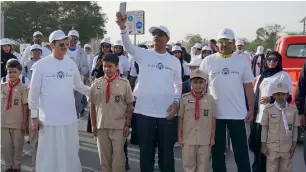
column 159, row 33
column 74, row 37
column 225, row 41
column 272, row 59
column 36, row 51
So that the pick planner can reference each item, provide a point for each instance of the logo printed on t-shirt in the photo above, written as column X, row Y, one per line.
column 60, row 74
column 225, row 71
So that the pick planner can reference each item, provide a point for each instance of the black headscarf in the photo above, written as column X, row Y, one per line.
column 254, row 63
column 267, row 72
column 4, row 58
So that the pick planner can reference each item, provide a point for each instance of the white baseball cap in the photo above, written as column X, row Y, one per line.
column 6, row 41
column 239, row 42
column 162, row 28
column 118, row 43
column 206, row 48
column 198, row 45
column 106, row 40
column 13, row 42
column 176, row 48
column 87, row 45
column 195, row 62
column 73, row 33
column 178, row 42
column 35, row 46
column 37, row 33
column 226, row 34
column 57, row 35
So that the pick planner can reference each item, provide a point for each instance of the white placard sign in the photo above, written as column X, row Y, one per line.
column 135, row 22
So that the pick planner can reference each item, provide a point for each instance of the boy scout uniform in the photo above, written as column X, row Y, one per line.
column 12, row 139
column 274, row 134
column 111, row 120
column 196, row 133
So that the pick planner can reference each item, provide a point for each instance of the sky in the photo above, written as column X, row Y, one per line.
column 208, row 17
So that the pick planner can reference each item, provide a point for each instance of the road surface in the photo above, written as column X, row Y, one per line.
column 90, row 159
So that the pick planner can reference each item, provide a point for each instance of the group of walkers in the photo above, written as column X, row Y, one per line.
column 168, row 97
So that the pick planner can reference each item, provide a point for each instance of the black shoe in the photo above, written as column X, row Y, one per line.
column 127, row 167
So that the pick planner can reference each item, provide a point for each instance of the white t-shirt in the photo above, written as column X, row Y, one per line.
column 226, row 77
column 265, row 89
column 160, row 82
column 26, row 55
column 245, row 55
column 124, row 65
column 51, row 90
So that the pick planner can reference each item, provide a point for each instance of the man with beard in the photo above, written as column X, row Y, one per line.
column 37, row 39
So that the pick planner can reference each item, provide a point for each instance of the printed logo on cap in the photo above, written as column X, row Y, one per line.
column 280, row 85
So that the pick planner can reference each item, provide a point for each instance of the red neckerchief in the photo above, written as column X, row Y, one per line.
column 108, row 81
column 10, row 93
column 197, row 105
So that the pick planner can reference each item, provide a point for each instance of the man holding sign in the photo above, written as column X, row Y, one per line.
column 158, row 92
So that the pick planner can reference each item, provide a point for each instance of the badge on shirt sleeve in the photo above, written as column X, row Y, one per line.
column 290, row 127
column 117, row 99
column 16, row 102
column 273, row 115
column 205, row 112
column 190, row 101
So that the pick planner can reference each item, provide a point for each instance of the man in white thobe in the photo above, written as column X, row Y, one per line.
column 52, row 106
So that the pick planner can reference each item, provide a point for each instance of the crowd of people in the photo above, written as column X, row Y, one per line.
column 165, row 96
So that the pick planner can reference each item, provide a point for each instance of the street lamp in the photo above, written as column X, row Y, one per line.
column 4, row 7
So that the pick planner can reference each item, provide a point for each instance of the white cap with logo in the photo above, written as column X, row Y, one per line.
column 57, row 35
column 226, row 34
column 87, row 45
column 106, row 41
column 73, row 33
column 6, row 41
column 176, row 48
column 239, row 42
column 37, row 33
column 35, row 46
column 118, row 43
column 162, row 28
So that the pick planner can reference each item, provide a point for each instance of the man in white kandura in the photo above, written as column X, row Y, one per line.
column 52, row 106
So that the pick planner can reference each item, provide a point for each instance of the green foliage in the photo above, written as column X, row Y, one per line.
column 23, row 18
column 192, row 39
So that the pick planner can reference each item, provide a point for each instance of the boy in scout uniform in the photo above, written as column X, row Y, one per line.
column 111, row 111
column 197, row 122
column 14, row 116
column 279, row 130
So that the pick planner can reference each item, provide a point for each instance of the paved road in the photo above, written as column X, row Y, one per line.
column 90, row 159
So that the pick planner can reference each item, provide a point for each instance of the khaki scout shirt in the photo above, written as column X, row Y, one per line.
column 277, row 140
column 13, row 117
column 197, row 132
column 112, row 114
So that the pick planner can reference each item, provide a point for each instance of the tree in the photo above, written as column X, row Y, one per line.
column 22, row 19
column 269, row 34
column 294, row 33
column 192, row 39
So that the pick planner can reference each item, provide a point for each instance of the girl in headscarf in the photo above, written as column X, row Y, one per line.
column 104, row 49
column 272, row 73
column 6, row 54
column 206, row 51
column 124, row 64
column 258, row 60
column 177, row 52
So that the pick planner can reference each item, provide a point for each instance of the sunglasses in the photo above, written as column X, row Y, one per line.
column 225, row 41
column 159, row 33
column 62, row 44
column 272, row 59
column 74, row 38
